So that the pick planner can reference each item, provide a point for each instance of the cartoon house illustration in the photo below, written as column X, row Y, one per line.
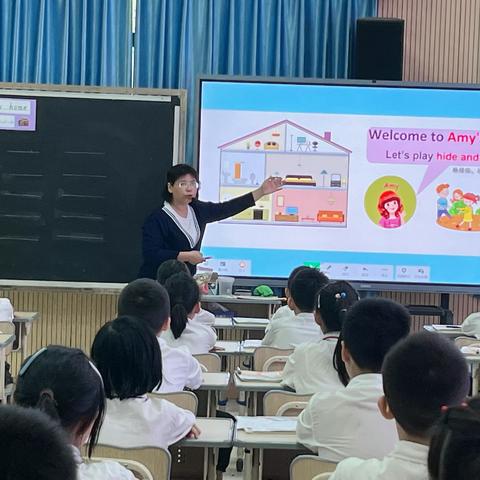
column 315, row 170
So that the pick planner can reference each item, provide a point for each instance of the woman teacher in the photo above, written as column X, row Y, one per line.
column 176, row 230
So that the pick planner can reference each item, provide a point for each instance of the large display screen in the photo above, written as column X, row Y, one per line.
column 381, row 182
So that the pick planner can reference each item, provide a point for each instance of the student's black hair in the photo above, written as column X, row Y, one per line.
column 455, row 443
column 62, row 382
column 333, row 301
column 294, row 272
column 304, row 287
column 33, row 446
column 371, row 327
column 174, row 173
column 184, row 295
column 127, row 354
column 146, row 299
column 169, row 268
column 422, row 373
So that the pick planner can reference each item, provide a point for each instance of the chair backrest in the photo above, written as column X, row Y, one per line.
column 7, row 327
column 275, row 364
column 211, row 361
column 284, row 403
column 467, row 342
column 156, row 460
column 263, row 353
column 139, row 470
column 323, row 476
column 186, row 400
column 306, row 467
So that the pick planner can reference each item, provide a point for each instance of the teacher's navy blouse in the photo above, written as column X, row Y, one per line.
column 164, row 238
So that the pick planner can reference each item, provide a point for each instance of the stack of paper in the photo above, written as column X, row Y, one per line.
column 251, row 343
column 250, row 321
column 251, row 376
column 443, row 328
column 267, row 424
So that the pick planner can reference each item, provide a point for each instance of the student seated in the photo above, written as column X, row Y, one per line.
column 288, row 332
column 285, row 310
column 64, row 384
column 309, row 369
column 147, row 300
column 127, row 354
column 184, row 305
column 171, row 267
column 455, row 445
column 347, row 423
column 33, row 447
column 421, row 375
column 471, row 325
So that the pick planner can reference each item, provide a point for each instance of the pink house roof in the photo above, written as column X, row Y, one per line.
column 293, row 124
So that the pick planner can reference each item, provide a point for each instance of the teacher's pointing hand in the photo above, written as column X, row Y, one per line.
column 269, row 185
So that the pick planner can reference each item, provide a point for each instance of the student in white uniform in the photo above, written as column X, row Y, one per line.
column 127, row 354
column 471, row 325
column 421, row 375
column 347, row 423
column 147, row 300
column 288, row 332
column 184, row 305
column 285, row 311
column 310, row 368
column 171, row 267
column 455, row 443
column 64, row 384
column 45, row 455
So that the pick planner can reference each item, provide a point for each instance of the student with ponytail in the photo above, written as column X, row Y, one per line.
column 184, row 305
column 65, row 385
column 310, row 368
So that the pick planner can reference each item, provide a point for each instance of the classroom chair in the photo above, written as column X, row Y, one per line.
column 139, row 470
column 323, row 476
column 275, row 463
column 211, row 361
column 157, row 461
column 305, row 467
column 186, row 400
column 264, row 353
column 285, row 404
column 187, row 463
column 275, row 363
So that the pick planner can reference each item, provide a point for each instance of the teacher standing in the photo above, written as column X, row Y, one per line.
column 175, row 231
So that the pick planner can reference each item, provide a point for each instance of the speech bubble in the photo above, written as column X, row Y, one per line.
column 439, row 149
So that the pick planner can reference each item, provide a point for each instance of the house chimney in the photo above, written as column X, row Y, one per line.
column 327, row 136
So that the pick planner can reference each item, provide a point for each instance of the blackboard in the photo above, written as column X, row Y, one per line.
column 75, row 190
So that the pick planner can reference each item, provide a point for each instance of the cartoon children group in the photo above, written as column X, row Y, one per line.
column 462, row 205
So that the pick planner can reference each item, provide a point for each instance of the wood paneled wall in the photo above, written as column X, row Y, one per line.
column 72, row 317
column 442, row 38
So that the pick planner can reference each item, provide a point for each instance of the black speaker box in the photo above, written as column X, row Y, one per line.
column 379, row 49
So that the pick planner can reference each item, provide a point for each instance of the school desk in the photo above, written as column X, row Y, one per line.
column 449, row 331
column 271, row 303
column 255, row 442
column 254, row 389
column 23, row 324
column 215, row 433
column 6, row 345
column 212, row 384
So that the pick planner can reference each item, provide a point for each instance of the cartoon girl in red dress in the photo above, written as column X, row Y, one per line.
column 391, row 210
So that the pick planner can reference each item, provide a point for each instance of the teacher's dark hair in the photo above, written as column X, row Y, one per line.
column 184, row 295
column 174, row 173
